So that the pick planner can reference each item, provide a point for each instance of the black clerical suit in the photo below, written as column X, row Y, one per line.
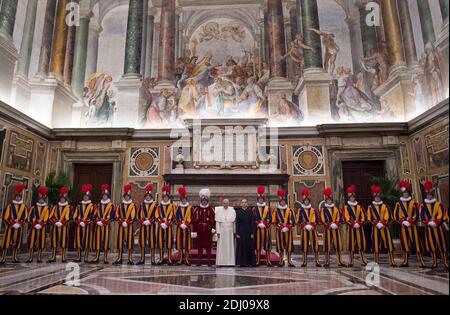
column 245, row 235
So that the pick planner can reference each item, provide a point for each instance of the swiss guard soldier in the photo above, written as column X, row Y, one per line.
column 204, row 225
column 37, row 218
column 165, row 216
column 355, row 217
column 102, row 218
column 125, row 214
column 406, row 213
column 60, row 216
column 263, row 216
column 307, row 218
column 432, row 215
column 83, row 216
column 331, row 218
column 380, row 216
column 146, row 217
column 285, row 221
column 183, row 218
column 14, row 218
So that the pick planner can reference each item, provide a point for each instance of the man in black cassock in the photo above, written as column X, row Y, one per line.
column 245, row 235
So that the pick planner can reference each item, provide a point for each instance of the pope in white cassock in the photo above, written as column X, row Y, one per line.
column 225, row 229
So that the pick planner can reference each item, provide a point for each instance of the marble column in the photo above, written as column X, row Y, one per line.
column 47, row 38
column 92, row 50
column 353, row 23
column 262, row 40
column 299, row 23
column 407, row 32
column 177, row 33
column 426, row 21
column 80, row 57
column 444, row 9
column 266, row 35
column 69, row 56
column 276, row 38
column 134, row 39
column 393, row 34
column 8, row 11
column 149, row 50
column 310, row 19
column 26, row 46
column 368, row 33
column 167, row 42
column 293, row 19
column 59, row 40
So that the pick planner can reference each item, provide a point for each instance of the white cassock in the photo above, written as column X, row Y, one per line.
column 225, row 226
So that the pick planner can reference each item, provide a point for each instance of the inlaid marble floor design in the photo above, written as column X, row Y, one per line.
column 50, row 279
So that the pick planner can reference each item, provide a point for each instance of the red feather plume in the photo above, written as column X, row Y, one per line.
column 428, row 185
column 261, row 190
column 328, row 192
column 63, row 190
column 376, row 189
column 166, row 189
column 182, row 191
column 43, row 191
column 86, row 188
column 306, row 192
column 149, row 188
column 105, row 187
column 19, row 188
column 351, row 189
column 281, row 193
column 127, row 188
column 405, row 184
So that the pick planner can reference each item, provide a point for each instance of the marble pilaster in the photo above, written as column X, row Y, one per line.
column 167, row 36
column 134, row 39
column 8, row 51
column 426, row 21
column 262, row 40
column 444, row 9
column 310, row 19
column 69, row 55
column 407, row 33
column 276, row 38
column 80, row 58
column 368, row 33
column 353, row 23
column 59, row 41
column 47, row 38
column 92, row 49
column 149, row 50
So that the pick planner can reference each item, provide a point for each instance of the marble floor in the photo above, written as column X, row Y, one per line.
column 56, row 279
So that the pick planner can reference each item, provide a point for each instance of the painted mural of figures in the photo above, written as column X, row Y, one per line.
column 419, row 93
column 295, row 52
column 288, row 113
column 331, row 49
column 378, row 61
column 353, row 104
column 98, row 97
column 163, row 110
column 221, row 96
column 251, row 100
column 434, row 69
column 264, row 75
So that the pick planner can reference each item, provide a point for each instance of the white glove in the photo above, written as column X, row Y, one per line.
column 124, row 224
column 164, row 226
column 309, row 228
column 285, row 230
column 432, row 224
column 16, row 226
column 59, row 224
column 147, row 223
column 82, row 224
column 38, row 226
column 356, row 226
column 100, row 223
column 333, row 226
column 380, row 226
column 261, row 226
column 213, row 231
column 406, row 223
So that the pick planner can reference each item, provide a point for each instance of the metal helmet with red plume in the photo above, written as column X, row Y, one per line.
column 261, row 190
column 328, row 193
column 86, row 189
column 63, row 191
column 166, row 190
column 281, row 194
column 428, row 186
column 351, row 190
column 149, row 190
column 182, row 192
column 43, row 191
column 305, row 193
column 405, row 186
column 19, row 189
column 105, row 189
column 127, row 190
column 376, row 190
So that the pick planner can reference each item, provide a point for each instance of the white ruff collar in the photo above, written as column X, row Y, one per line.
column 63, row 204
column 282, row 207
column 105, row 202
column 352, row 203
column 86, row 202
column 305, row 206
column 148, row 201
column 260, row 205
column 165, row 203
column 329, row 206
column 184, row 205
column 379, row 203
column 204, row 207
column 430, row 201
column 41, row 204
column 405, row 199
column 129, row 202
column 17, row 202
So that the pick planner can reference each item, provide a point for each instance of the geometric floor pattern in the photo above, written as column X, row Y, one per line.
column 50, row 279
